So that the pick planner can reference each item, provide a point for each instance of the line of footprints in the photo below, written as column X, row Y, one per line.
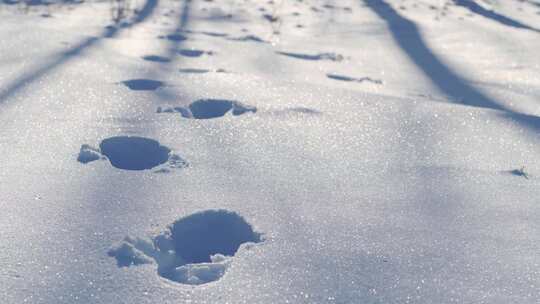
column 196, row 249
column 199, row 248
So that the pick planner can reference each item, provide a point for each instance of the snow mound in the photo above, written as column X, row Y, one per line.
column 126, row 255
column 196, row 249
column 196, row 274
column 88, row 154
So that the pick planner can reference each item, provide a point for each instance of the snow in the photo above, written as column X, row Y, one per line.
column 387, row 152
column 88, row 154
column 195, row 250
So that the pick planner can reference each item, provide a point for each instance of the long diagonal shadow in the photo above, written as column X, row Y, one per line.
column 431, row 182
column 63, row 57
column 477, row 9
column 180, row 28
column 407, row 35
column 175, row 40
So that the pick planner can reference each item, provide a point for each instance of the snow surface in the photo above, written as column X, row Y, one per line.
column 387, row 152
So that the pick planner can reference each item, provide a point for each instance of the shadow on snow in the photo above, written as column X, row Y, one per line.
column 62, row 58
column 407, row 35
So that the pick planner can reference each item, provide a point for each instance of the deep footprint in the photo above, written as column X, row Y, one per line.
column 143, row 84
column 132, row 153
column 196, row 249
column 210, row 108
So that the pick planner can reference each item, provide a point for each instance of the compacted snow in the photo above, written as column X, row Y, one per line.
column 242, row 151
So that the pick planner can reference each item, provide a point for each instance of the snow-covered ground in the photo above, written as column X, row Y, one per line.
column 245, row 151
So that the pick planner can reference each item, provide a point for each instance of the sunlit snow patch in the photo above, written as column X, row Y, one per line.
column 132, row 153
column 210, row 108
column 196, row 249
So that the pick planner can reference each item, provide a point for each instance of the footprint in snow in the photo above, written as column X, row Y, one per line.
column 352, row 79
column 200, row 71
column 132, row 153
column 210, row 108
column 207, row 33
column 248, row 38
column 174, row 37
column 519, row 172
column 194, row 53
column 320, row 56
column 194, row 250
column 143, row 84
column 271, row 18
column 156, row 58
column 193, row 71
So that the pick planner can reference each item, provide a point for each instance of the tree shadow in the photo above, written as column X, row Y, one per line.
column 407, row 35
column 176, row 38
column 181, row 27
column 62, row 58
column 477, row 9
